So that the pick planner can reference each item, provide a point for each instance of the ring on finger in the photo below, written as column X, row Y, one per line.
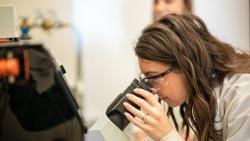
column 144, row 118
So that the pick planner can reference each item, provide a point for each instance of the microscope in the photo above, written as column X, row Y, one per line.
column 110, row 126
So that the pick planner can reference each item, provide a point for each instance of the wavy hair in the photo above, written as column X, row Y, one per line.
column 184, row 41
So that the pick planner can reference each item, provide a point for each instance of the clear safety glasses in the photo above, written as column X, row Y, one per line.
column 155, row 82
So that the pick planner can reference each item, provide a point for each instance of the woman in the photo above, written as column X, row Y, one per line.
column 189, row 67
column 162, row 8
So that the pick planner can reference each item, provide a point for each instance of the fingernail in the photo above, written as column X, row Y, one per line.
column 136, row 90
column 125, row 103
column 128, row 95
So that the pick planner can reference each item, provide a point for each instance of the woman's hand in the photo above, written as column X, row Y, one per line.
column 154, row 120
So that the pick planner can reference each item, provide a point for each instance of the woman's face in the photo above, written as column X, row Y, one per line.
column 165, row 7
column 171, row 87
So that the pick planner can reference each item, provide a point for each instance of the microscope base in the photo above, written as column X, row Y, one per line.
column 105, row 130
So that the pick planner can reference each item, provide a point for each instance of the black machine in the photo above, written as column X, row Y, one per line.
column 32, row 85
column 116, row 109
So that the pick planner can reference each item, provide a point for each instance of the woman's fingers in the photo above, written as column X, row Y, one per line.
column 142, row 117
column 137, row 122
column 154, row 122
column 142, row 103
column 150, row 98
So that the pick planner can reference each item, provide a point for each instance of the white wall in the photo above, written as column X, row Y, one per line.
column 227, row 19
column 109, row 29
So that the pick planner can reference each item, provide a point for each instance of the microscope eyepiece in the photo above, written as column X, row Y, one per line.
column 116, row 109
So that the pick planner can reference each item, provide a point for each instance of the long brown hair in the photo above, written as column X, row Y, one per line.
column 184, row 41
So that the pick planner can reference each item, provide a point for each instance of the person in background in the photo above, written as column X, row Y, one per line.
column 165, row 7
column 189, row 67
